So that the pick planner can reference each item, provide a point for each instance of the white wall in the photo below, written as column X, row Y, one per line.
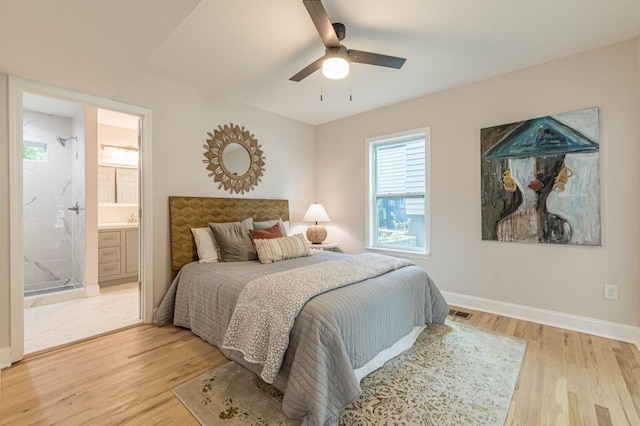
column 116, row 214
column 5, row 292
column 182, row 116
column 118, row 136
column 567, row 279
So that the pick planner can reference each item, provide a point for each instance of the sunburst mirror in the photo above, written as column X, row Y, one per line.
column 234, row 158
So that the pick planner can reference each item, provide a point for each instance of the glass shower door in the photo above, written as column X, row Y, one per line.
column 53, row 198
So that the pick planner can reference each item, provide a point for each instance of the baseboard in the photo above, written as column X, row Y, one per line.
column 597, row 327
column 5, row 357
column 92, row 290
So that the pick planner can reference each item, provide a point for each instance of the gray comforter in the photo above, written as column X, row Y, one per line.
column 335, row 333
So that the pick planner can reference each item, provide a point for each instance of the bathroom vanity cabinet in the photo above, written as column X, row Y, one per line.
column 117, row 253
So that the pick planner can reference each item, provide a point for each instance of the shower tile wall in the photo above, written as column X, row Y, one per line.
column 47, row 192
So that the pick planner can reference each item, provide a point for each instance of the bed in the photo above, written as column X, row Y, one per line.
column 338, row 337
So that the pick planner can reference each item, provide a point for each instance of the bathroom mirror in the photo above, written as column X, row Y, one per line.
column 234, row 158
column 117, row 185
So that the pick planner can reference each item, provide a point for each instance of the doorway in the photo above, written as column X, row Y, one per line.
column 59, row 290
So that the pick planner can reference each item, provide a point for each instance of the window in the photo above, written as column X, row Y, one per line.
column 398, row 209
column 34, row 151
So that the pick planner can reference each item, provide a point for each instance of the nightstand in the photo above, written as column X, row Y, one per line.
column 324, row 246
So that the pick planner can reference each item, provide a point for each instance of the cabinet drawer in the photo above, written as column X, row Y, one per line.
column 108, row 239
column 109, row 269
column 108, row 254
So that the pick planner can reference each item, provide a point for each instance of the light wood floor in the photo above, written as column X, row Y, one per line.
column 567, row 378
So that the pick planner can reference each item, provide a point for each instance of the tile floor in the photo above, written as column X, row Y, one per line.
column 49, row 326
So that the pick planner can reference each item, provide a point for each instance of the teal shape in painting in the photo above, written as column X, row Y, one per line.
column 542, row 137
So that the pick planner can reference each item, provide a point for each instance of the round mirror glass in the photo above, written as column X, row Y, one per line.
column 236, row 159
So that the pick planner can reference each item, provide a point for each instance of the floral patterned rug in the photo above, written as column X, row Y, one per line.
column 454, row 374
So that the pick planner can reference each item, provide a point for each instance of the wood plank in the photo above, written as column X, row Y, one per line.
column 575, row 414
column 630, row 370
column 602, row 416
column 579, row 375
column 592, row 379
column 613, row 391
column 126, row 378
column 554, row 388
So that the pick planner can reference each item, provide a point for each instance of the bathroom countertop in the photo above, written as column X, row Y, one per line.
column 117, row 225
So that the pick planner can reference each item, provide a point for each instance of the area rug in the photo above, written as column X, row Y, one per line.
column 454, row 374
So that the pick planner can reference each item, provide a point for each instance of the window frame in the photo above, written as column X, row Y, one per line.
column 371, row 202
column 37, row 145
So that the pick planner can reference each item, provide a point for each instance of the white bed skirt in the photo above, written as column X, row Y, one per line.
column 385, row 355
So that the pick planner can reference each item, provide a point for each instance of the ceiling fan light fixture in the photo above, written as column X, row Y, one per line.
column 336, row 63
column 336, row 60
column 335, row 68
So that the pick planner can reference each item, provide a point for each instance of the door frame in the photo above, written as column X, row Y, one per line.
column 17, row 86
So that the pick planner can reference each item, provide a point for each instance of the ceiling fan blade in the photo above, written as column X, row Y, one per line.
column 323, row 24
column 308, row 70
column 376, row 59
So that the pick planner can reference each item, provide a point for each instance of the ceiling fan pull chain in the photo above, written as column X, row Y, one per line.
column 321, row 85
column 351, row 86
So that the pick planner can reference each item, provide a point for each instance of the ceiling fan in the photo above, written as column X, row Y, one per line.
column 335, row 62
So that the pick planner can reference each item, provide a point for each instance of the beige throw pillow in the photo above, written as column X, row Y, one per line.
column 276, row 249
column 205, row 245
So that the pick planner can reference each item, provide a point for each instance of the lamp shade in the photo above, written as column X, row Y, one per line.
column 316, row 213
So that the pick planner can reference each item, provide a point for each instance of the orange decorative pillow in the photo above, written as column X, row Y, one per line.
column 268, row 233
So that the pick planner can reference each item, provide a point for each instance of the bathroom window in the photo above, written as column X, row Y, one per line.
column 34, row 151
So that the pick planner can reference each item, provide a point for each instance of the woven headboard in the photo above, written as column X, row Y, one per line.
column 197, row 212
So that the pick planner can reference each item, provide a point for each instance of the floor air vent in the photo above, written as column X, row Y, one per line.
column 460, row 314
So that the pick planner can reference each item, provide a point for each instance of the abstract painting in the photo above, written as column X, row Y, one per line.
column 541, row 180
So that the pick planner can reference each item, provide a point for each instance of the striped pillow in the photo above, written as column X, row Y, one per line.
column 276, row 249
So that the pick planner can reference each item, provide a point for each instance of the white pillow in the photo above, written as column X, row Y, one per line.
column 206, row 245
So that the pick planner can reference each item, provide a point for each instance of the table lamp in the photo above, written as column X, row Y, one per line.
column 316, row 234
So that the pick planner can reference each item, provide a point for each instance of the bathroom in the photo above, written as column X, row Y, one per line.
column 74, row 268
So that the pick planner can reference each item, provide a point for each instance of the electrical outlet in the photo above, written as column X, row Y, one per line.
column 611, row 292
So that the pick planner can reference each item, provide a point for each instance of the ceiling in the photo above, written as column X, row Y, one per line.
column 64, row 108
column 246, row 50
column 48, row 105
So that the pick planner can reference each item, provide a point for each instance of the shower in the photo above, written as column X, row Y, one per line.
column 63, row 141
column 54, row 228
